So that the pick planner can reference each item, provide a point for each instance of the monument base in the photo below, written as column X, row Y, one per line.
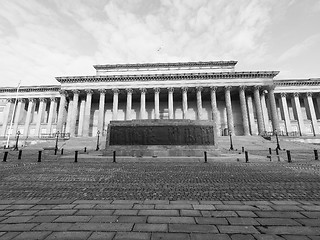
column 160, row 138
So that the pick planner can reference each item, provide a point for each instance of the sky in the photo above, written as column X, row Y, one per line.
column 41, row 40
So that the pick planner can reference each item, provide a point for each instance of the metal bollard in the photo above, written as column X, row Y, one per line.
column 55, row 151
column 75, row 156
column 289, row 156
column 39, row 156
column 61, row 151
column 114, row 156
column 205, row 157
column 270, row 151
column 277, row 151
column 246, row 156
column 85, row 149
column 5, row 156
column 20, row 153
column 316, row 157
column 242, row 149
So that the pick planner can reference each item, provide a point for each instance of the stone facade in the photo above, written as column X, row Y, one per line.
column 240, row 103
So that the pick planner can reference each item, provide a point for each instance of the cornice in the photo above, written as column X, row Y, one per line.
column 168, row 77
column 298, row 82
column 45, row 88
column 165, row 65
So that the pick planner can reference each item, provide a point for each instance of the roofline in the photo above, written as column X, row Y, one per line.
column 176, row 64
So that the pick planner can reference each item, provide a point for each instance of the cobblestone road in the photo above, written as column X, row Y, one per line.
column 98, row 179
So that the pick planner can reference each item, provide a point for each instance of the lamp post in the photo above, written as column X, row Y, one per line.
column 17, row 141
column 278, row 144
column 98, row 140
column 56, row 147
column 231, row 144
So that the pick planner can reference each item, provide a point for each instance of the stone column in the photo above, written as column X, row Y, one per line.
column 170, row 102
column 229, row 109
column 129, row 104
column 199, row 102
column 81, row 116
column 184, row 101
column 87, row 113
column 312, row 114
column 244, row 111
column 273, row 108
column 102, row 101
column 156, row 103
column 214, row 108
column 143, row 103
column 257, row 103
column 52, row 109
column 42, row 106
column 74, row 112
column 285, row 112
column 115, row 104
column 6, row 114
column 298, row 113
column 69, row 116
column 265, row 111
column 252, row 123
column 61, row 111
column 17, row 115
column 28, row 117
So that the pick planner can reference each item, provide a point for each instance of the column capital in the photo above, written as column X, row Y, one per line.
column 271, row 87
column 242, row 87
column 10, row 100
column 75, row 91
column 115, row 90
column 32, row 99
column 102, row 90
column 43, row 99
column 309, row 94
column 88, row 91
column 184, row 89
column 63, row 92
column 129, row 90
column 170, row 89
column 256, row 87
column 21, row 100
column 213, row 88
column 53, row 99
column 143, row 90
column 199, row 89
column 283, row 94
column 296, row 94
column 227, row 88
column 156, row 90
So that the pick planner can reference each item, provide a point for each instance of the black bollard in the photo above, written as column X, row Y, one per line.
column 20, row 153
column 246, row 156
column 5, row 156
column 55, row 151
column 316, row 157
column 205, row 157
column 270, row 151
column 277, row 151
column 75, row 156
column 61, row 151
column 39, row 156
column 114, row 156
column 242, row 149
column 289, row 156
column 85, row 149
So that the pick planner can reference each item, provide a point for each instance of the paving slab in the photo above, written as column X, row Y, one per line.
column 82, row 235
column 150, row 227
column 170, row 236
column 132, row 235
column 237, row 229
column 290, row 230
column 160, row 219
column 102, row 236
column 107, row 227
column 191, row 228
column 32, row 235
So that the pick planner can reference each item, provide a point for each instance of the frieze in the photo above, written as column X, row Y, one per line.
column 31, row 89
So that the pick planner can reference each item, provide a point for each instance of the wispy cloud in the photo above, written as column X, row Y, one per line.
column 43, row 39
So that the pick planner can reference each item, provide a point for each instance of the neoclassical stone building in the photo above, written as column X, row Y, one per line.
column 243, row 103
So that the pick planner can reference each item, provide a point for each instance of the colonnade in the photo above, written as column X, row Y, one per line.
column 71, row 99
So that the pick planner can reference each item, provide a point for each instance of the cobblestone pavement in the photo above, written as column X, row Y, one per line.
column 98, row 199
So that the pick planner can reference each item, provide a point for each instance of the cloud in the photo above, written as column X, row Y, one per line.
column 43, row 39
column 299, row 48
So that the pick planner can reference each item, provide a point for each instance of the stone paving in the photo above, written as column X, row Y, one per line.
column 98, row 199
